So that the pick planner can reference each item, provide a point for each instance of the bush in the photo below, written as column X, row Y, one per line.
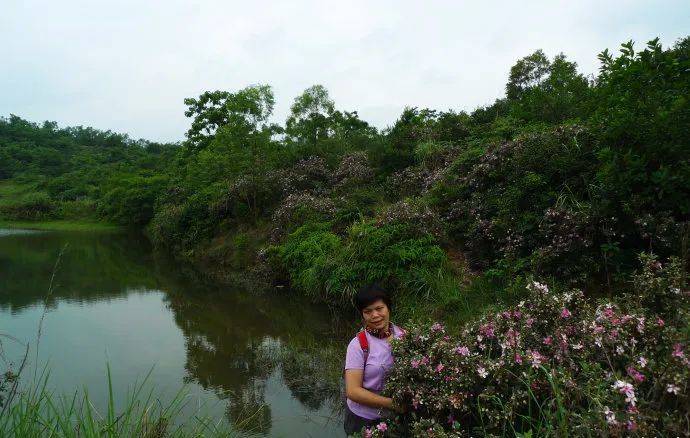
column 556, row 364
column 32, row 206
column 322, row 264
column 310, row 255
column 298, row 209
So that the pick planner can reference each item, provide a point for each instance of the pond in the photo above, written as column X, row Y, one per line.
column 264, row 363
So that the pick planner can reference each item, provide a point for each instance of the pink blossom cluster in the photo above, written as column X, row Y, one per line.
column 625, row 358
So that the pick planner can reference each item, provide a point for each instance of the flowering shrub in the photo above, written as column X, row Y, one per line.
column 297, row 209
column 416, row 215
column 307, row 174
column 566, row 239
column 354, row 169
column 556, row 363
column 414, row 180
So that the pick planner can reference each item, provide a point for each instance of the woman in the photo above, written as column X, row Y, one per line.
column 368, row 360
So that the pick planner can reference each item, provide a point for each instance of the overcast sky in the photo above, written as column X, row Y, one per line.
column 127, row 65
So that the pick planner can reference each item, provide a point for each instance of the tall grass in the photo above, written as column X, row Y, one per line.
column 39, row 412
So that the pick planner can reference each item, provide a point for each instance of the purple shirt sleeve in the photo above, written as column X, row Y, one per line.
column 354, row 359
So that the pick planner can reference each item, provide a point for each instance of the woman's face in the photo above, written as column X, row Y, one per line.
column 376, row 315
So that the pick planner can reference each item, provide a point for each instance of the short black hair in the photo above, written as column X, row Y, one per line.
column 369, row 294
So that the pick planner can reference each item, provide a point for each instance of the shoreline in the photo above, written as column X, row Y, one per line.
column 60, row 225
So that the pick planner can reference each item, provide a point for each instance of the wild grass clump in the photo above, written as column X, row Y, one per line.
column 556, row 364
column 329, row 267
column 36, row 411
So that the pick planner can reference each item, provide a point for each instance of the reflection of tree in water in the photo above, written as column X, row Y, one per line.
column 310, row 377
column 94, row 267
column 236, row 341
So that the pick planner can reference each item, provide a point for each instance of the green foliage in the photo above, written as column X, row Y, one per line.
column 72, row 170
column 543, row 90
column 310, row 255
column 31, row 206
column 643, row 113
column 240, row 114
column 131, row 200
column 322, row 264
column 564, row 176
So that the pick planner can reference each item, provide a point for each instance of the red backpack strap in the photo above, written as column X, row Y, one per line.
column 364, row 344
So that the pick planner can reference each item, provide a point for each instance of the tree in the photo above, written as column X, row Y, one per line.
column 546, row 91
column 311, row 115
column 527, row 73
column 242, row 113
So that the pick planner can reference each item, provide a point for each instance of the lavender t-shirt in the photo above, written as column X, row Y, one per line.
column 379, row 362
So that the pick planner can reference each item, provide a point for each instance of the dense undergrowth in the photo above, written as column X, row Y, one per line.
column 556, row 364
column 567, row 179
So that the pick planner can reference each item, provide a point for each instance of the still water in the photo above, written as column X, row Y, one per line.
column 113, row 301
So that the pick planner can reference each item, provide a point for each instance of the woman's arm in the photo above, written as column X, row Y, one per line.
column 357, row 393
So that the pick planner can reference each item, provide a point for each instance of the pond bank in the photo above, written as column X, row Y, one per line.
column 60, row 225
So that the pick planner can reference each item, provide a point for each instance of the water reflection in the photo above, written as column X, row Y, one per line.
column 273, row 360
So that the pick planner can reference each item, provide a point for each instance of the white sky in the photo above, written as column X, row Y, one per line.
column 127, row 65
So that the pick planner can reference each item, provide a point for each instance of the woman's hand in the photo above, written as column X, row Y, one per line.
column 400, row 409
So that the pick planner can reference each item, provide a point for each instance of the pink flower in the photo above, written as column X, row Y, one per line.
column 565, row 313
column 518, row 358
column 608, row 312
column 536, row 358
column 437, row 327
column 627, row 389
column 414, row 363
column 538, row 287
column 642, row 362
column 529, row 322
column 636, row 375
column 382, row 427
column 512, row 337
column 548, row 340
column 631, row 425
column 487, row 330
column 660, row 322
column 463, row 351
column 678, row 351
column 439, row 368
column 482, row 372
column 367, row 433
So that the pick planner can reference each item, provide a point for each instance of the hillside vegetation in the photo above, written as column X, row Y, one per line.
column 582, row 183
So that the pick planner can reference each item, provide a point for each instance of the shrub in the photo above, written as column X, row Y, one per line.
column 556, row 364
column 308, row 174
column 31, row 206
column 322, row 264
column 310, row 255
column 354, row 169
column 298, row 209
column 413, row 213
